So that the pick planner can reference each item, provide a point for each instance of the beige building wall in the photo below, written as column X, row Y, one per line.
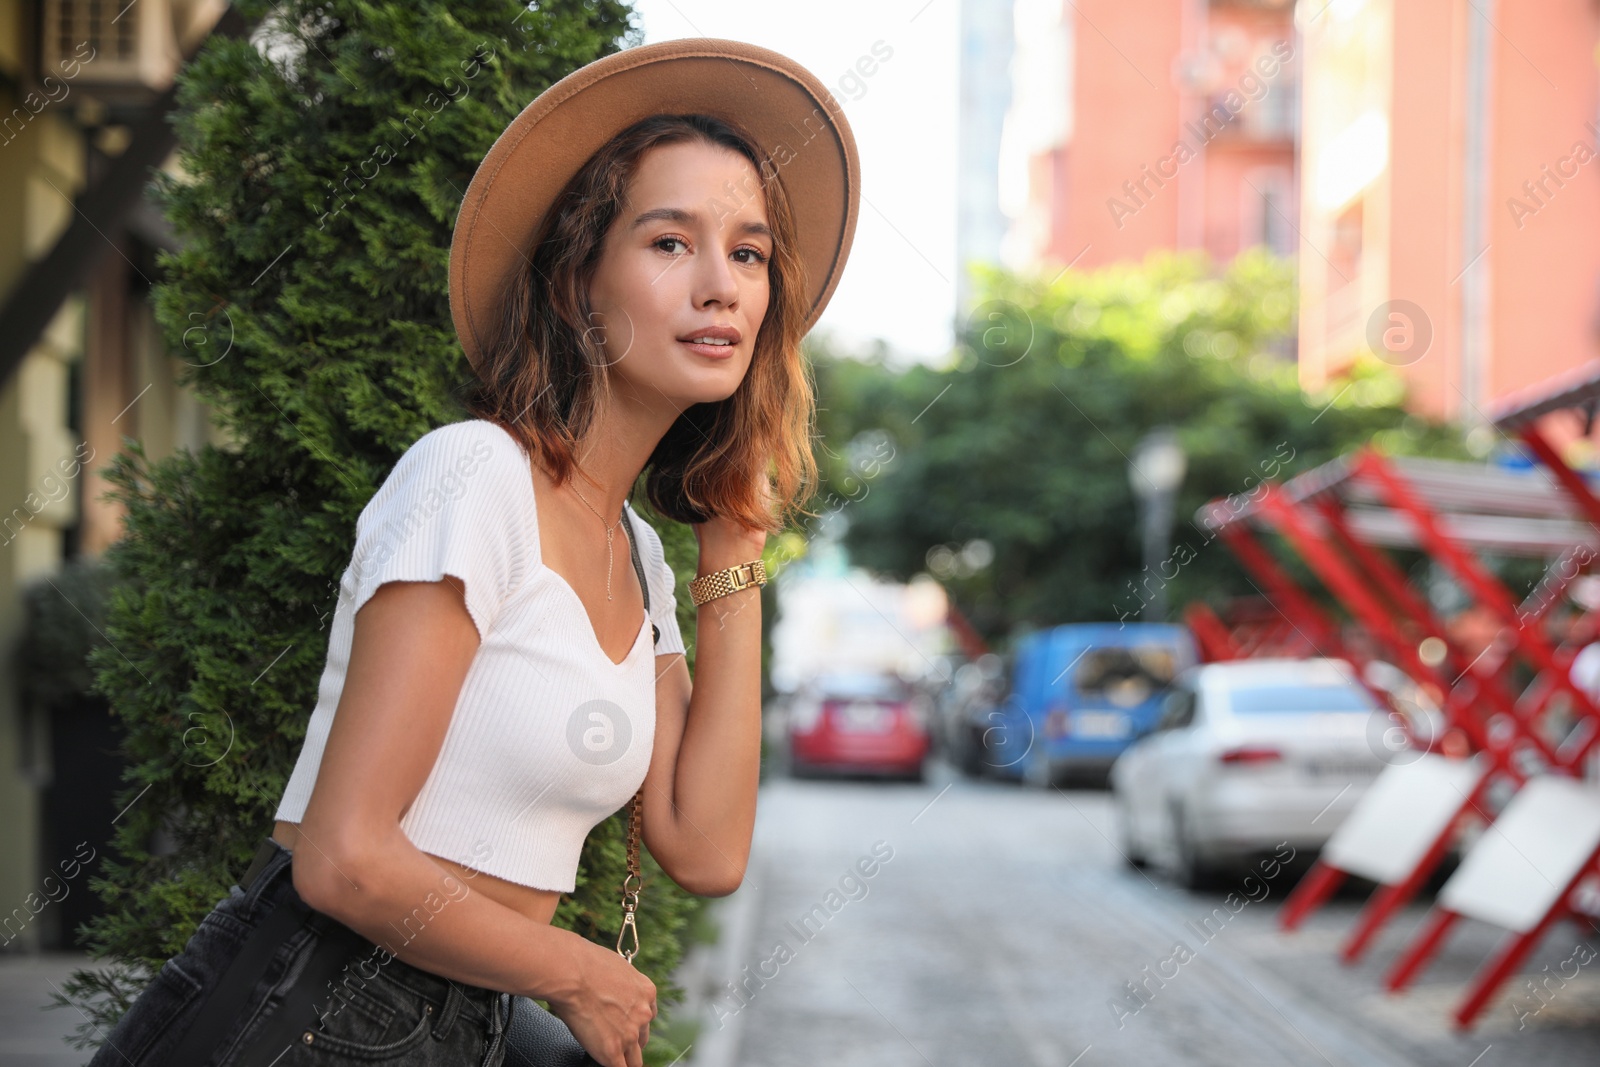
column 42, row 157
column 104, row 338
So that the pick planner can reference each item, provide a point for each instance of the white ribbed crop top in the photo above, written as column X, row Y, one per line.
column 549, row 735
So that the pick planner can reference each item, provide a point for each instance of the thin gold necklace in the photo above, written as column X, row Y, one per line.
column 610, row 530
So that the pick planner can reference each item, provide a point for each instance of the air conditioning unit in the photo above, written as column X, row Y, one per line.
column 119, row 50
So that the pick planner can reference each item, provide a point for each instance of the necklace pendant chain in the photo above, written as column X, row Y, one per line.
column 611, row 530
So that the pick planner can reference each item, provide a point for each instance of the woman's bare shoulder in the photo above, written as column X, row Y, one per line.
column 464, row 449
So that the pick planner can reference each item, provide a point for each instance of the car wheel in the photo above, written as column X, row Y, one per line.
column 969, row 752
column 1036, row 770
column 1192, row 872
column 1131, row 852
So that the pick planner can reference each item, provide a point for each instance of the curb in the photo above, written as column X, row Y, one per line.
column 709, row 970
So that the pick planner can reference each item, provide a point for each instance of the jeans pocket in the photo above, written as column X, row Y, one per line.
column 218, row 933
column 147, row 1033
column 370, row 1020
column 168, row 1005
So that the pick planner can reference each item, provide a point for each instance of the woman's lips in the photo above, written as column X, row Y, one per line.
column 712, row 351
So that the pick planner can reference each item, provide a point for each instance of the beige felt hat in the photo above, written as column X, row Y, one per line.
column 799, row 127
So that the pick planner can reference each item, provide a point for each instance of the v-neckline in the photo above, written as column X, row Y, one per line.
column 594, row 639
column 538, row 530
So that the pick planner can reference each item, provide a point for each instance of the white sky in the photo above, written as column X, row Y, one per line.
column 899, row 283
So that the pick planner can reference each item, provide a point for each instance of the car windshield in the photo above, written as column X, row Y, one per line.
column 1275, row 699
column 859, row 687
column 1125, row 676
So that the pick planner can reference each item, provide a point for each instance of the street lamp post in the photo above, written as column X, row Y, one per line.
column 1155, row 472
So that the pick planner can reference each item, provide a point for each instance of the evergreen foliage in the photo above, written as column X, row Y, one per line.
column 323, row 163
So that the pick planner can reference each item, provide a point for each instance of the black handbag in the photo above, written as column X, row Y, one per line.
column 534, row 1037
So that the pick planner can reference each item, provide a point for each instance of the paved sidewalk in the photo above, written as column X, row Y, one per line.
column 31, row 1036
column 1008, row 930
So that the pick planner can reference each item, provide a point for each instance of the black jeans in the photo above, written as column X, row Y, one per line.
column 381, row 1011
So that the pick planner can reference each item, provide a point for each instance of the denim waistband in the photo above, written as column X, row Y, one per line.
column 274, row 885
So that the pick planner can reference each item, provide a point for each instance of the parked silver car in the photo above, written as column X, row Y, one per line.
column 1247, row 755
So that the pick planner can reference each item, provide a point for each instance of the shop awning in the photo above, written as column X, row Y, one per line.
column 1490, row 508
column 1577, row 388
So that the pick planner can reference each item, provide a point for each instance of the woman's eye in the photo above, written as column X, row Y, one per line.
column 757, row 255
column 668, row 240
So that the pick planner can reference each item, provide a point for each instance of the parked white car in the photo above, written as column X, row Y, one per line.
column 1247, row 755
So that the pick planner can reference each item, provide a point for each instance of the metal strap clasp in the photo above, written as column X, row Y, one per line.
column 628, row 926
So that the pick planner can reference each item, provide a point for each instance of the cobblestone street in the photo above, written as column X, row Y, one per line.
column 1005, row 929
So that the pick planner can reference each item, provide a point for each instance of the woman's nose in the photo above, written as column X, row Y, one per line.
column 715, row 281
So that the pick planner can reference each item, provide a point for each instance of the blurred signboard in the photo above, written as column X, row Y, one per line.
column 850, row 620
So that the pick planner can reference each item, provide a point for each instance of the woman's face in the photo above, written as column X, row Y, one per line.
column 684, row 262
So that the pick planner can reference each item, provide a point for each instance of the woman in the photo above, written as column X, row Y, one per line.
column 631, row 285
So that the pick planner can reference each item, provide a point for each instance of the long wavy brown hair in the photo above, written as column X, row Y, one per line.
column 543, row 374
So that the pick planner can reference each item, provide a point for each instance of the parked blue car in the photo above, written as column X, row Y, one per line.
column 1079, row 694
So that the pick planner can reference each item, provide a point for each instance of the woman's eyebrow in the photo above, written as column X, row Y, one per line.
column 685, row 218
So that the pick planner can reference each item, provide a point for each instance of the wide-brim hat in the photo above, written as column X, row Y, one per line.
column 798, row 125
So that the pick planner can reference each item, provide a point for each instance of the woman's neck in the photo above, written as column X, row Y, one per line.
column 616, row 448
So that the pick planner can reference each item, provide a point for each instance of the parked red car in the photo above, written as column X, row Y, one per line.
column 858, row 722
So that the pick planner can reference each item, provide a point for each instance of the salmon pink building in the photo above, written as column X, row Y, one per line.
column 1451, row 204
column 1178, row 132
column 1432, row 164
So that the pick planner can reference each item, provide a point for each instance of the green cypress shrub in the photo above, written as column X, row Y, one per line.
column 323, row 163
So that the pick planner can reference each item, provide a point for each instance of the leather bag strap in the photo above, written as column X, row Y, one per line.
column 303, row 1004
column 227, row 1000
column 644, row 586
column 632, row 881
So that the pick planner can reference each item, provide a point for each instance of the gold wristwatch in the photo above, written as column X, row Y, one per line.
column 728, row 580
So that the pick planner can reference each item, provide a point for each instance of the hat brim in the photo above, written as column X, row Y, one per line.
column 799, row 126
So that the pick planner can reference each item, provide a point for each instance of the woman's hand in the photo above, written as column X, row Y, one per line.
column 611, row 1009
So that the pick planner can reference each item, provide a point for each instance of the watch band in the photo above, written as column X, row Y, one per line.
column 728, row 580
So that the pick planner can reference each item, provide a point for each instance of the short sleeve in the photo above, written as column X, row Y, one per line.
column 451, row 505
column 663, row 586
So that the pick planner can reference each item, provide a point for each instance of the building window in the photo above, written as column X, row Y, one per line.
column 1268, row 216
column 1344, row 250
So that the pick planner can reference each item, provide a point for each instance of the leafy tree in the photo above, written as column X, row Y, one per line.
column 323, row 164
column 1024, row 443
